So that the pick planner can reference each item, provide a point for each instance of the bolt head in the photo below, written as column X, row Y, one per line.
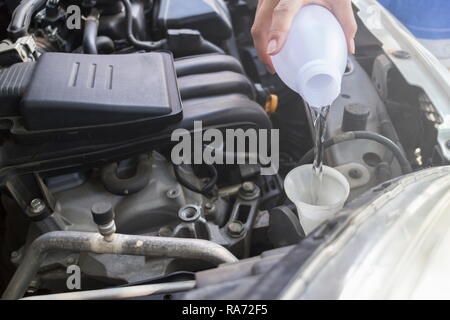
column 37, row 206
column 235, row 229
column 248, row 187
column 173, row 193
column 401, row 54
column 355, row 173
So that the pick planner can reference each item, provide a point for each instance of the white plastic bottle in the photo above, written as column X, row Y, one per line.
column 313, row 60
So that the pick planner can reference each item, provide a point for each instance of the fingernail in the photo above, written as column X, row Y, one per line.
column 272, row 47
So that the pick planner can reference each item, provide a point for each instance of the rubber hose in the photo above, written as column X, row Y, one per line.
column 21, row 17
column 90, row 33
column 132, row 185
column 355, row 135
column 105, row 44
column 206, row 189
column 144, row 45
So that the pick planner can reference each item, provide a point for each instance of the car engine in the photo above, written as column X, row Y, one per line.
column 91, row 92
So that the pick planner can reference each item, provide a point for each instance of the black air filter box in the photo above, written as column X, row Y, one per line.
column 78, row 91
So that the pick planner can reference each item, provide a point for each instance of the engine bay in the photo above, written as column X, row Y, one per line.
column 87, row 115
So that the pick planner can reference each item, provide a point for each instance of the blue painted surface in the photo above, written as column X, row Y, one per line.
column 427, row 19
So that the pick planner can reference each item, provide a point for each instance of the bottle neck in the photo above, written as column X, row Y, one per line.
column 319, row 83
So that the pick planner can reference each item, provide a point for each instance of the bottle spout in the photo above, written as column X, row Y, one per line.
column 319, row 83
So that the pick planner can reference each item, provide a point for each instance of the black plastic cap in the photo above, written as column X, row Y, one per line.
column 355, row 117
column 102, row 213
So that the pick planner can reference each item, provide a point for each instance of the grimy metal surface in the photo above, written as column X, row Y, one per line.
column 119, row 244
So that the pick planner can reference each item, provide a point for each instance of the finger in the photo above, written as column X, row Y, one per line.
column 344, row 13
column 283, row 15
column 260, row 30
column 323, row 3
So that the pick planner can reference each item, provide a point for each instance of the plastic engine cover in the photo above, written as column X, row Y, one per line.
column 210, row 17
column 76, row 90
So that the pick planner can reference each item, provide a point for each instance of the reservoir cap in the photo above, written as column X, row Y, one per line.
column 355, row 117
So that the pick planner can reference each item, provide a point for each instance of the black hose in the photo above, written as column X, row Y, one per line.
column 355, row 135
column 144, row 45
column 21, row 17
column 119, row 186
column 206, row 189
column 90, row 33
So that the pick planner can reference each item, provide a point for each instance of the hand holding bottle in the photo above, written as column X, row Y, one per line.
column 274, row 19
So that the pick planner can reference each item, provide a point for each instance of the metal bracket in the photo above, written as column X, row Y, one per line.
column 23, row 50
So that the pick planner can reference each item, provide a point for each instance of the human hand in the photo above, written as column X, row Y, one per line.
column 274, row 19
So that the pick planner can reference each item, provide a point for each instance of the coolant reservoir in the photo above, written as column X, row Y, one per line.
column 313, row 60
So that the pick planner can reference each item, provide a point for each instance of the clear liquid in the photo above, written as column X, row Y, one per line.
column 319, row 120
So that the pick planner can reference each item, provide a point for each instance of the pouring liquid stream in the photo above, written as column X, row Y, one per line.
column 319, row 119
